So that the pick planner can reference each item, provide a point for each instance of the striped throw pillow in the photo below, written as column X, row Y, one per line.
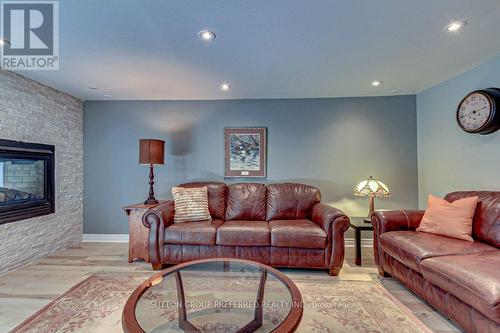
column 190, row 204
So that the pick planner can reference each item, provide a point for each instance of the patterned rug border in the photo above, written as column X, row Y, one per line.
column 377, row 284
column 403, row 308
column 51, row 303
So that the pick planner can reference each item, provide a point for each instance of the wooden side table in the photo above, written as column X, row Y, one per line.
column 358, row 224
column 138, row 244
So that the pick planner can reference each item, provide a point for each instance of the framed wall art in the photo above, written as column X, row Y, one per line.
column 245, row 152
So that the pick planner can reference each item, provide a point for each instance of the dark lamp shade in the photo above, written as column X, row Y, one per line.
column 151, row 151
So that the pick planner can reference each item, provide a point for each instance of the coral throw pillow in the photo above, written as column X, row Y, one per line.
column 190, row 204
column 449, row 219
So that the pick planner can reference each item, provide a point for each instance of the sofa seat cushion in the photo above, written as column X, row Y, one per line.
column 243, row 233
column 411, row 247
column 192, row 233
column 297, row 233
column 473, row 278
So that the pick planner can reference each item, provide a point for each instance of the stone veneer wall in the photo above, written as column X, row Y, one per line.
column 32, row 112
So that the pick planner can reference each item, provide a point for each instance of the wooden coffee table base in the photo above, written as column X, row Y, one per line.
column 252, row 326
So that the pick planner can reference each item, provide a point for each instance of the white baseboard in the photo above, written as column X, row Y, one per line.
column 349, row 242
column 123, row 238
column 105, row 238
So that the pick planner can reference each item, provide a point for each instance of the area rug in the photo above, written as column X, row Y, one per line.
column 95, row 305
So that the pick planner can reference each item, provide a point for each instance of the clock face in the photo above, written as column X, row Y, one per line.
column 474, row 112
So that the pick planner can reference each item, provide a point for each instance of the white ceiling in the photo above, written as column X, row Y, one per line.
column 148, row 49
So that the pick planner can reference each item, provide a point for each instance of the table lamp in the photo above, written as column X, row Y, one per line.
column 371, row 188
column 151, row 152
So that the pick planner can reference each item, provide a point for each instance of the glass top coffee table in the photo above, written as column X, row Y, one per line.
column 214, row 295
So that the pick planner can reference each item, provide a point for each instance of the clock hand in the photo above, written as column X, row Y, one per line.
column 465, row 115
column 474, row 111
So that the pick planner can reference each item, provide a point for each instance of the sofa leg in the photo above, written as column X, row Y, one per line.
column 157, row 267
column 382, row 273
column 334, row 271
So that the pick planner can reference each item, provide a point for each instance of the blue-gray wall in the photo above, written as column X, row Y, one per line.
column 450, row 159
column 331, row 143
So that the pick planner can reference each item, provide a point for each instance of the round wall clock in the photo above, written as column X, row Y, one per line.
column 479, row 111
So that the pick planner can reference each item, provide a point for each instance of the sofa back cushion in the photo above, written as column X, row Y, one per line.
column 486, row 223
column 290, row 201
column 246, row 201
column 217, row 193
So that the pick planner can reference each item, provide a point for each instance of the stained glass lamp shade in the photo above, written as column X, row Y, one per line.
column 371, row 188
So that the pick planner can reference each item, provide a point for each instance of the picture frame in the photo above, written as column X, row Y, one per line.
column 245, row 152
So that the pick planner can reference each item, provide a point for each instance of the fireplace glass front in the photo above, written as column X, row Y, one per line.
column 26, row 180
column 21, row 180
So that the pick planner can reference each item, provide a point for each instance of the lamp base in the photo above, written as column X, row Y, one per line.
column 151, row 201
column 370, row 211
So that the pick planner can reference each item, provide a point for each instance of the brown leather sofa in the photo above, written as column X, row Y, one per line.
column 283, row 225
column 459, row 278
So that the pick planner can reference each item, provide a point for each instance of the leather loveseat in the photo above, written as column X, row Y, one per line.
column 459, row 278
column 283, row 225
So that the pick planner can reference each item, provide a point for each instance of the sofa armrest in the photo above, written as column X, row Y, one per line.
column 335, row 223
column 156, row 220
column 327, row 216
column 392, row 220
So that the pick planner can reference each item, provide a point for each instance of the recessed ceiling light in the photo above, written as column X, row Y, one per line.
column 108, row 96
column 455, row 26
column 206, row 35
column 376, row 83
column 225, row 86
column 93, row 88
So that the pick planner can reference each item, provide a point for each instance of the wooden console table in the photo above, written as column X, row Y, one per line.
column 138, row 245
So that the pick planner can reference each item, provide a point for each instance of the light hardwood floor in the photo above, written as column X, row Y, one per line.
column 28, row 289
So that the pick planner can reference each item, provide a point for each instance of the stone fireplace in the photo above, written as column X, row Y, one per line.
column 26, row 180
column 32, row 112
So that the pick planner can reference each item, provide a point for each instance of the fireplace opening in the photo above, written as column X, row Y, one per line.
column 26, row 180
